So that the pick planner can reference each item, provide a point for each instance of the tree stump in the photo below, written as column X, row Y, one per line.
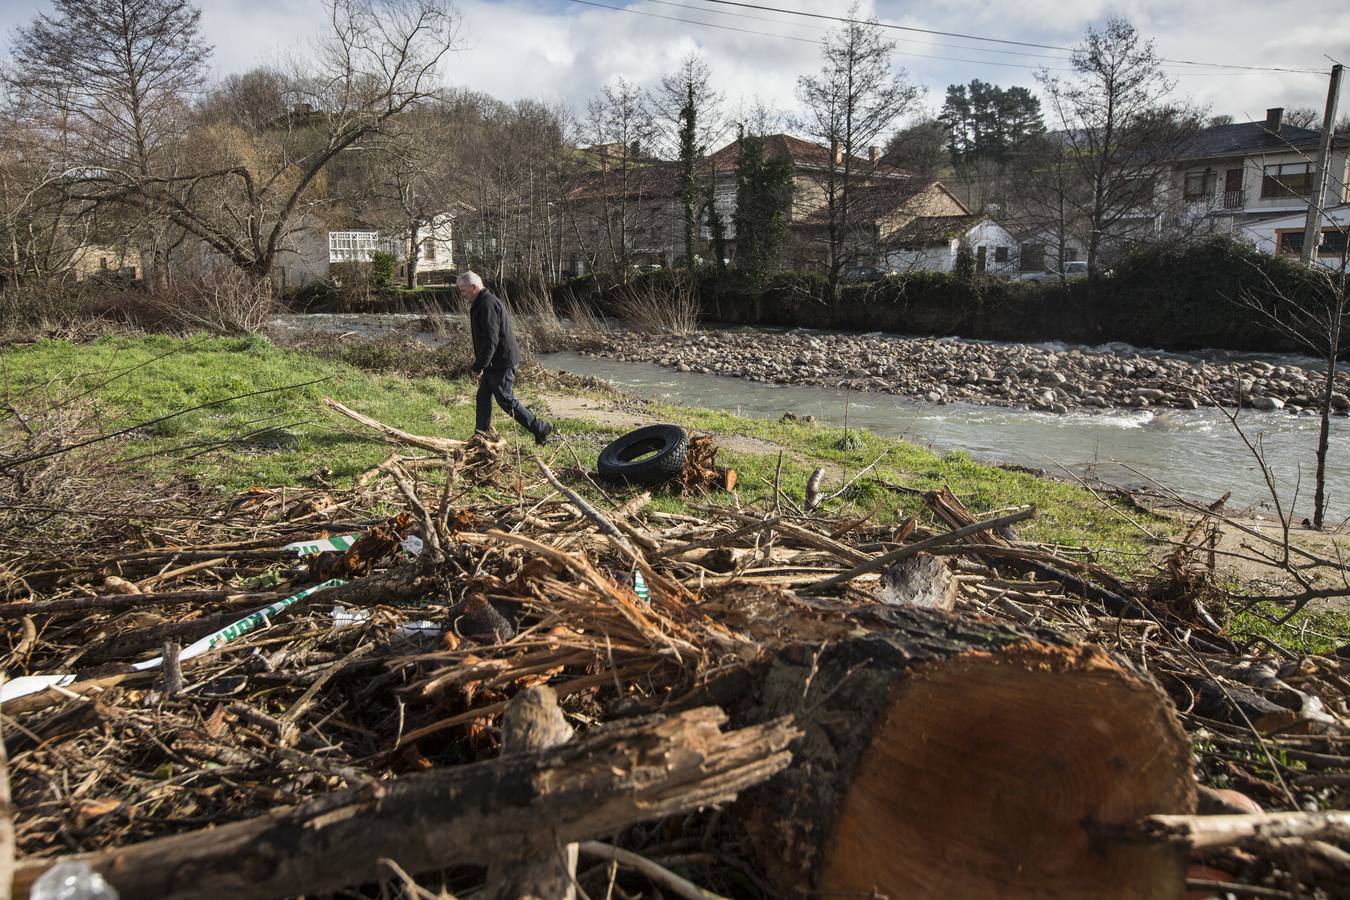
column 946, row 758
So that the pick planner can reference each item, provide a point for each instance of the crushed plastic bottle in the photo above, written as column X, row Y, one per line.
column 72, row 880
column 640, row 587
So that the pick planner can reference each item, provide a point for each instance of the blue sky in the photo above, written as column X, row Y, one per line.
column 561, row 50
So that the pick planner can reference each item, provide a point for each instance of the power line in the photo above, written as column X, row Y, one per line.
column 902, row 40
column 976, row 37
column 638, row 12
column 788, row 37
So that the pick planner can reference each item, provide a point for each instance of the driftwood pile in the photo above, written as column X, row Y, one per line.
column 506, row 684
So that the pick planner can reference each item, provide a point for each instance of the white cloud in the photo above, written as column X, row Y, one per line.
column 562, row 51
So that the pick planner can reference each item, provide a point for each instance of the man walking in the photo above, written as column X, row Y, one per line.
column 495, row 357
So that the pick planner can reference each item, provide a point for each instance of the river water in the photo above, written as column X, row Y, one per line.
column 1195, row 453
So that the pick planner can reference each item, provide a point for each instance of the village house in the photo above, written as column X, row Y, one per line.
column 1234, row 175
column 934, row 243
column 1283, row 235
column 629, row 210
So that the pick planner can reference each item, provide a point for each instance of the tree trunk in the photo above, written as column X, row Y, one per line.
column 447, row 817
column 947, row 758
column 412, row 254
column 1323, row 437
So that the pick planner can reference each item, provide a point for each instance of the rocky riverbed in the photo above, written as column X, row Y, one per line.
column 1012, row 375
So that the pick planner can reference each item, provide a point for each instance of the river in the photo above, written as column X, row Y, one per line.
column 1195, row 453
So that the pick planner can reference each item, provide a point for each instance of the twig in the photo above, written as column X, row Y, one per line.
column 904, row 552
column 659, row 874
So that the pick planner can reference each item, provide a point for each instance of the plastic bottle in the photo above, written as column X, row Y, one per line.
column 71, row 880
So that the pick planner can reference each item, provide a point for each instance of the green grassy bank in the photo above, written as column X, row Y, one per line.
column 283, row 436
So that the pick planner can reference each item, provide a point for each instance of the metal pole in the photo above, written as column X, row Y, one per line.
column 1312, row 232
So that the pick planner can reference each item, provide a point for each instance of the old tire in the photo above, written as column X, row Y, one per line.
column 650, row 455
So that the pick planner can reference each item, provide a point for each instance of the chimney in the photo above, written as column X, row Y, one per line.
column 873, row 154
column 1273, row 117
column 837, row 152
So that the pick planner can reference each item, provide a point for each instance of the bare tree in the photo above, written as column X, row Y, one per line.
column 110, row 82
column 1317, row 319
column 240, row 185
column 1121, row 132
column 608, row 201
column 855, row 100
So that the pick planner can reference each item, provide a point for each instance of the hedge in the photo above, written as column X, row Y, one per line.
column 1183, row 298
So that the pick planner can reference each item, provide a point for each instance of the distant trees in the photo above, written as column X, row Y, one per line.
column 921, row 149
column 618, row 123
column 985, row 121
column 112, row 80
column 111, row 83
column 855, row 99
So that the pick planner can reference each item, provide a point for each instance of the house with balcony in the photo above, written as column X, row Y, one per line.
column 1231, row 176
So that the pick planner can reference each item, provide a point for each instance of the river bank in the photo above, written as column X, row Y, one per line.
column 946, row 370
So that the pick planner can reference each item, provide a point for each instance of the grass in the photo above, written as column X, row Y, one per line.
column 1317, row 630
column 284, row 436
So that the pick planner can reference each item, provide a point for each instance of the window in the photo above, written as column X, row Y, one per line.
column 357, row 246
column 1286, row 180
column 1290, row 242
column 103, row 263
column 1200, row 185
column 429, row 250
column 1000, row 254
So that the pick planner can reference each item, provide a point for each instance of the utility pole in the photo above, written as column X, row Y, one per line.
column 1312, row 231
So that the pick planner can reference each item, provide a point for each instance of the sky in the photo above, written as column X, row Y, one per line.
column 566, row 50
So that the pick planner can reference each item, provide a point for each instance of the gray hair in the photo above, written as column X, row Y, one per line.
column 469, row 278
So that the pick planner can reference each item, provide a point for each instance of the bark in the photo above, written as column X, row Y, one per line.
column 462, row 815
column 533, row 722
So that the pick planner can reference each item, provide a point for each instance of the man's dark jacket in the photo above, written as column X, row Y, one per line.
column 494, row 344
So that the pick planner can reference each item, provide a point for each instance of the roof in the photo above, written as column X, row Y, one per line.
column 800, row 152
column 875, row 201
column 1249, row 138
column 929, row 231
column 656, row 181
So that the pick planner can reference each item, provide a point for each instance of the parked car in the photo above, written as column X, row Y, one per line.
column 865, row 273
column 1075, row 270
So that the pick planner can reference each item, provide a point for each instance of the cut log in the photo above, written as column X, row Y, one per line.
column 462, row 815
column 948, row 758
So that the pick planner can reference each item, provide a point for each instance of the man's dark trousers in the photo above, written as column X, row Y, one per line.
column 495, row 384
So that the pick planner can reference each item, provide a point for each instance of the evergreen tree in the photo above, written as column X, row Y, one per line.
column 987, row 122
column 690, row 152
column 762, row 196
column 716, row 228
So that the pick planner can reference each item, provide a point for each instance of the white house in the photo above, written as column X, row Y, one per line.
column 932, row 243
column 1283, row 235
column 313, row 248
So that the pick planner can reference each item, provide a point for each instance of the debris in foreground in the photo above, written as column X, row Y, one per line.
column 797, row 671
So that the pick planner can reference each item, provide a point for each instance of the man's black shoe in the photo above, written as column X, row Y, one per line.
column 542, row 438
